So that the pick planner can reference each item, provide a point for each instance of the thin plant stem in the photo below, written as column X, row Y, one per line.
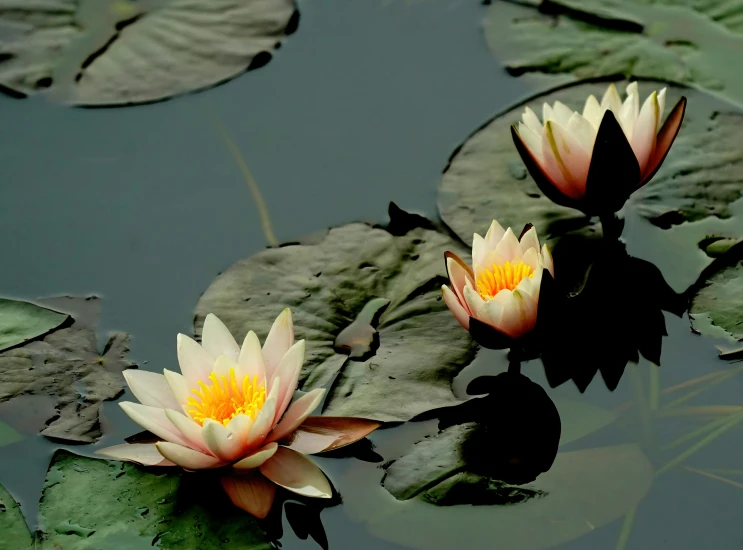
column 654, row 384
column 714, row 476
column 624, row 534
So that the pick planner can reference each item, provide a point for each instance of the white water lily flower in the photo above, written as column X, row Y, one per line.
column 594, row 160
column 231, row 407
column 502, row 288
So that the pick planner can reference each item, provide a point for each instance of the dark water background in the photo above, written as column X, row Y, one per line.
column 143, row 206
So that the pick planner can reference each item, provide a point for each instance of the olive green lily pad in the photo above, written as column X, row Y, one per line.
column 418, row 347
column 116, row 52
column 22, row 321
column 92, row 504
column 680, row 40
column 67, row 367
column 584, row 490
column 12, row 525
column 486, row 179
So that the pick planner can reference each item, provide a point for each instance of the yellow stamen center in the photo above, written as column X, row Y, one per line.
column 224, row 398
column 500, row 277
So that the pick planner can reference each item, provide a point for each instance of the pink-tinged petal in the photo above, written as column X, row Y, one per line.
column 297, row 473
column 490, row 259
column 190, row 429
column 154, row 420
column 665, row 139
column 562, row 113
column 145, row 454
column 187, row 458
column 254, row 494
column 222, row 443
column 263, row 423
column 593, row 112
column 251, row 358
column 280, row 338
column 240, row 427
column 582, row 131
column 532, row 121
column 288, row 370
column 514, row 320
column 553, row 166
column 222, row 366
column 611, row 100
column 178, row 387
column 494, row 235
column 532, row 140
column 661, row 105
column 529, row 241
column 476, row 304
column 458, row 273
column 643, row 140
column 455, row 306
column 196, row 363
column 150, row 388
column 319, row 434
column 257, row 458
column 573, row 160
column 508, row 247
column 297, row 413
column 217, row 339
column 547, row 261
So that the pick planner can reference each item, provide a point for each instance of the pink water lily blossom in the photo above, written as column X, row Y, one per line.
column 502, row 287
column 595, row 160
column 231, row 408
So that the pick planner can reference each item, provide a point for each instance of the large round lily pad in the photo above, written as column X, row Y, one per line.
column 94, row 504
column 701, row 176
column 22, row 321
column 115, row 52
column 681, row 40
column 13, row 528
column 67, row 369
column 367, row 279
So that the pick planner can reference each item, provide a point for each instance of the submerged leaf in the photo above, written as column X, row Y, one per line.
column 119, row 505
column 342, row 280
column 114, row 52
column 13, row 528
column 21, row 321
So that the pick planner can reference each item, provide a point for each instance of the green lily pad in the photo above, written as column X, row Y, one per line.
column 486, row 179
column 116, row 52
column 12, row 525
column 583, row 491
column 328, row 284
column 67, row 367
column 91, row 504
column 684, row 41
column 580, row 419
column 717, row 298
column 21, row 321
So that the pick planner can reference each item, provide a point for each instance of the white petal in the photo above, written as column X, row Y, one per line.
column 532, row 121
column 297, row 473
column 280, row 338
column 222, row 366
column 532, row 140
column 257, row 458
column 547, row 259
column 494, row 235
column 187, row 458
column 145, row 454
column 509, row 247
column 531, row 257
column 288, row 371
column 611, row 99
column 251, row 358
column 177, row 384
column 562, row 113
column 661, row 106
column 529, row 241
column 554, row 167
column 150, row 388
column 547, row 113
column 154, row 420
column 190, row 429
column 582, row 131
column 217, row 339
column 478, row 249
column 196, row 363
column 627, row 116
column 643, row 139
column 460, row 309
column 297, row 413
column 478, row 307
column 593, row 112
column 263, row 423
column 222, row 443
column 572, row 159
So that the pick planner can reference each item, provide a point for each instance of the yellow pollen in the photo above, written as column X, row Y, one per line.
column 500, row 277
column 224, row 398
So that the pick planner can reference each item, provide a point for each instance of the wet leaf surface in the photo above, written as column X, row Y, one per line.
column 114, row 52
column 90, row 504
column 684, row 41
column 22, row 321
column 13, row 528
column 486, row 179
column 328, row 284
column 67, row 369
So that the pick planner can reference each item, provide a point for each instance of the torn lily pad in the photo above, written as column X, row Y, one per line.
column 486, row 179
column 118, row 52
column 343, row 280
column 682, row 41
column 67, row 368
column 118, row 505
column 15, row 534
column 22, row 321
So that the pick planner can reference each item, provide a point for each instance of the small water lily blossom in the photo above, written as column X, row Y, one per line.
column 593, row 161
column 501, row 289
column 231, row 408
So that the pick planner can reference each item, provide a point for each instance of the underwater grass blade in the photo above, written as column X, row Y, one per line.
column 624, row 534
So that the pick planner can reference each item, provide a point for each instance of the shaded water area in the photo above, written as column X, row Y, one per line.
column 144, row 206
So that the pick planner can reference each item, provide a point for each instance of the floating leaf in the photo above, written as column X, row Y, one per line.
column 486, row 179
column 580, row 419
column 680, row 40
column 21, row 321
column 67, row 367
column 12, row 525
column 583, row 491
column 115, row 52
column 90, row 504
column 328, row 285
